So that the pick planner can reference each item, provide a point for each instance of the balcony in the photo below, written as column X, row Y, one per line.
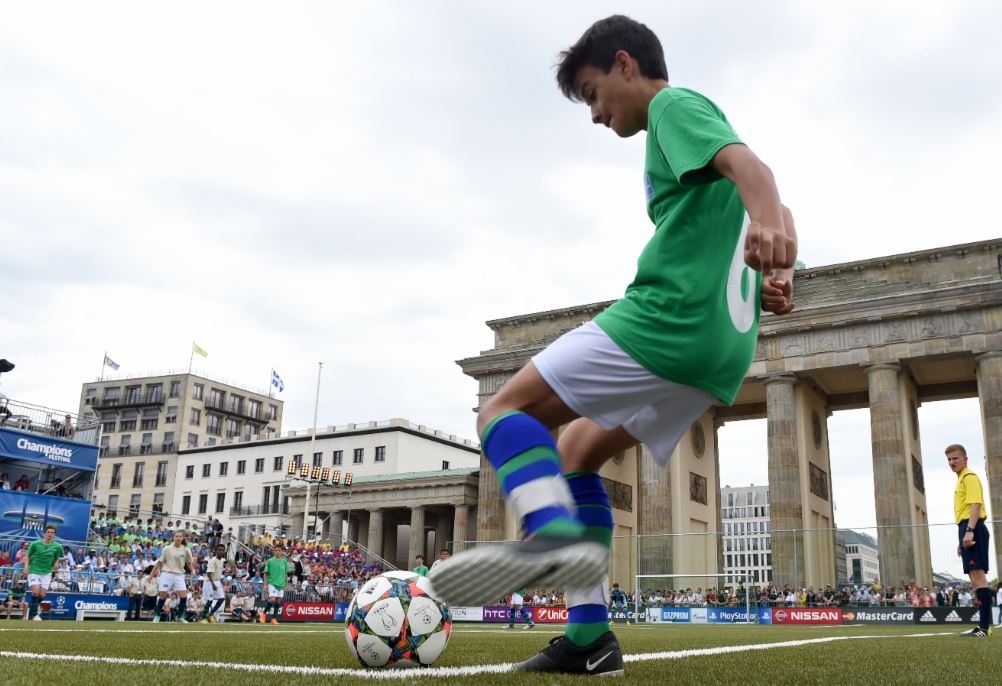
column 165, row 449
column 258, row 510
column 234, row 411
column 131, row 401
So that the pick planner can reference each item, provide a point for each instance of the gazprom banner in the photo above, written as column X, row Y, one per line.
column 65, row 605
column 54, row 451
column 25, row 515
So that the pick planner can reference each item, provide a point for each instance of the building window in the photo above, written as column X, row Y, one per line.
column 297, row 460
column 213, row 425
column 116, row 475
column 196, row 416
column 272, row 412
column 146, row 445
column 254, row 409
column 125, row 446
column 175, row 389
column 161, row 474
column 112, row 505
column 445, row 464
column 224, row 468
column 127, row 425
column 91, row 396
column 206, row 470
column 277, row 463
column 192, row 440
column 186, row 505
column 241, row 466
column 158, row 502
column 171, row 416
column 338, row 457
column 137, row 475
column 168, row 446
column 203, row 503
column 318, row 459
column 199, row 390
column 259, row 465
column 236, row 404
column 232, row 428
column 132, row 395
column 238, row 500
column 154, row 393
column 265, row 505
column 215, row 398
column 189, row 471
column 149, row 424
column 359, row 455
column 220, row 501
column 134, row 504
column 380, row 453
column 108, row 427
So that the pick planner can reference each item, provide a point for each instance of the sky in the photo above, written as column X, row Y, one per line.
column 367, row 184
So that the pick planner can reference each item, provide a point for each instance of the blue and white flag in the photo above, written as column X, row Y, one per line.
column 276, row 381
column 108, row 362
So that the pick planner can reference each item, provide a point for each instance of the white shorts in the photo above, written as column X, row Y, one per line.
column 275, row 592
column 599, row 380
column 213, row 590
column 171, row 581
column 42, row 580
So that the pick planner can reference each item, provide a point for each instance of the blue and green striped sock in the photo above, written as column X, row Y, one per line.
column 588, row 611
column 524, row 455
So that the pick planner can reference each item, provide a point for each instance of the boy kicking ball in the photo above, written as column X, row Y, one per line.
column 681, row 339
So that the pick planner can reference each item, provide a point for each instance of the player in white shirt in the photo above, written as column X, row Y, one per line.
column 212, row 588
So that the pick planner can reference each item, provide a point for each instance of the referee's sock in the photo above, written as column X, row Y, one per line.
column 984, row 596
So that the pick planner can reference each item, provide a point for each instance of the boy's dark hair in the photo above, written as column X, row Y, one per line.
column 598, row 46
column 50, row 526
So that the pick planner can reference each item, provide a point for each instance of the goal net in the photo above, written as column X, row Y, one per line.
column 695, row 598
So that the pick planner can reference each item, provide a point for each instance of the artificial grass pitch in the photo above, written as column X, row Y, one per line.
column 119, row 654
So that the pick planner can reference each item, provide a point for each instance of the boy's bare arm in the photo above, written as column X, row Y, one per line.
column 770, row 243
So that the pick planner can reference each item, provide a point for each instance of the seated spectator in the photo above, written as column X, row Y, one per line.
column 16, row 601
column 22, row 484
column 4, row 482
column 194, row 608
column 170, row 607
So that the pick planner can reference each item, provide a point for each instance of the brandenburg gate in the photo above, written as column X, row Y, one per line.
column 887, row 333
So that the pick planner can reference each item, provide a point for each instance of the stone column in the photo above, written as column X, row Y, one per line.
column 990, row 396
column 718, row 522
column 336, row 527
column 375, row 540
column 654, row 506
column 362, row 528
column 443, row 529
column 390, row 541
column 417, row 536
column 890, row 476
column 786, row 512
column 490, row 505
column 460, row 528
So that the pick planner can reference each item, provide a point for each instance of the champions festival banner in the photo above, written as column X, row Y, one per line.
column 65, row 605
column 52, row 451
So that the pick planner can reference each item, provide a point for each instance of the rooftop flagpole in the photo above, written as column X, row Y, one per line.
column 313, row 440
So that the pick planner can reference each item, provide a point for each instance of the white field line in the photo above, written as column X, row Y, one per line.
column 411, row 674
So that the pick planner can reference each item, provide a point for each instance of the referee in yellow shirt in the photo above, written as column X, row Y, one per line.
column 969, row 510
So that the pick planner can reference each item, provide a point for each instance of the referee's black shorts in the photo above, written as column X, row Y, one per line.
column 975, row 557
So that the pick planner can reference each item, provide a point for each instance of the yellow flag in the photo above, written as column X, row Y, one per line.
column 199, row 350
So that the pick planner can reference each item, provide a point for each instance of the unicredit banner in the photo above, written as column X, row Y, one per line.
column 807, row 615
column 314, row 612
column 25, row 446
column 549, row 615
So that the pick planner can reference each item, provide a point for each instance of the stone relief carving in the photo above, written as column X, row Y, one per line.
column 697, row 488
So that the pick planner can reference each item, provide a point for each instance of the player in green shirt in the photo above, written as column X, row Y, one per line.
column 420, row 568
column 40, row 561
column 680, row 340
column 276, row 572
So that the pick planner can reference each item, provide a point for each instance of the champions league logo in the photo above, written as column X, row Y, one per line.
column 61, row 602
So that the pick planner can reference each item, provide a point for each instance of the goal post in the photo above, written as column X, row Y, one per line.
column 736, row 586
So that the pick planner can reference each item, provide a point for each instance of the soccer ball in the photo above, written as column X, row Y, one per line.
column 393, row 618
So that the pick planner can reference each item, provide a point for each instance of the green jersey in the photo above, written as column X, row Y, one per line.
column 691, row 313
column 421, row 570
column 277, row 570
column 42, row 558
